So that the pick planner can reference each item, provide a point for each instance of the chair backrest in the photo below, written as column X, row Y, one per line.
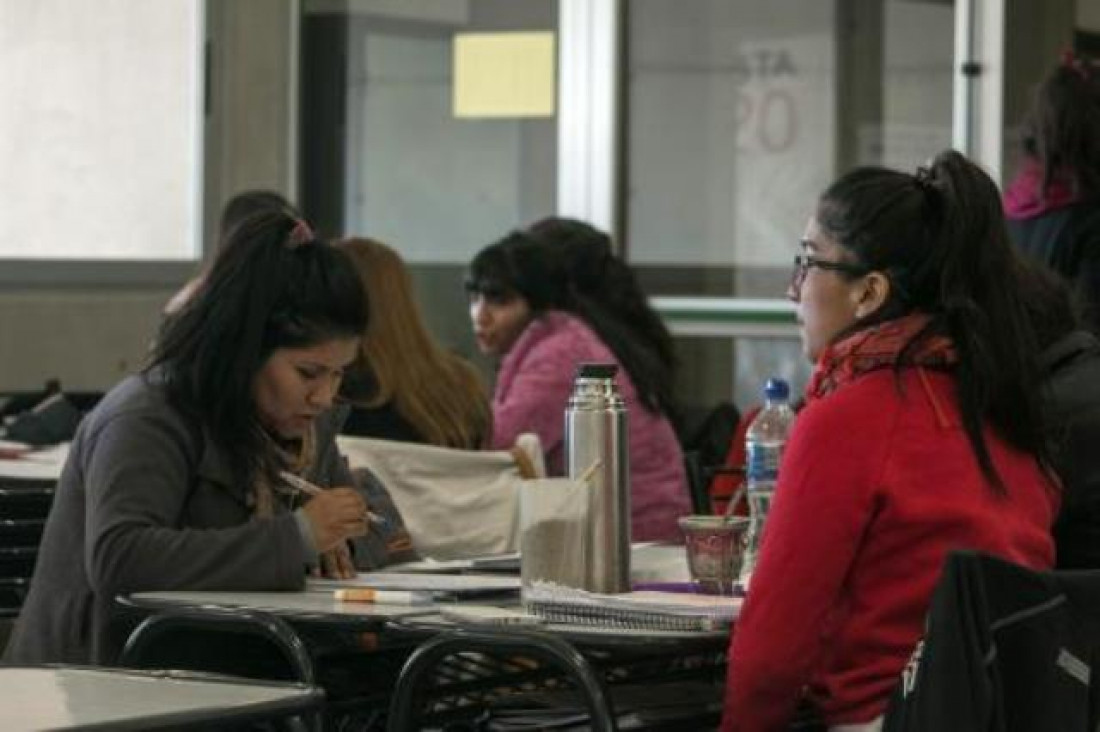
column 437, row 670
column 706, row 442
column 24, row 506
column 1006, row 648
column 697, row 483
column 244, row 643
column 726, row 484
column 708, row 434
column 701, row 481
column 237, row 642
column 455, row 503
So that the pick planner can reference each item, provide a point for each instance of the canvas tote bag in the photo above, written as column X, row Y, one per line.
column 455, row 503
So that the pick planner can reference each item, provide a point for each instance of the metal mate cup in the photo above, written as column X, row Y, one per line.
column 715, row 547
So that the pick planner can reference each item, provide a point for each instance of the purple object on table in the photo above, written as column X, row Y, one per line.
column 690, row 588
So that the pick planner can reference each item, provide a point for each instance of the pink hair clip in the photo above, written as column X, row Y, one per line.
column 300, row 234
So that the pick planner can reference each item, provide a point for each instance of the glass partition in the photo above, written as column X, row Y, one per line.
column 383, row 154
column 738, row 114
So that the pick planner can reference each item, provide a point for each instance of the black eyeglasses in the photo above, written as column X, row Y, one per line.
column 804, row 262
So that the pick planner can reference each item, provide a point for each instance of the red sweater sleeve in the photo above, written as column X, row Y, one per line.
column 824, row 498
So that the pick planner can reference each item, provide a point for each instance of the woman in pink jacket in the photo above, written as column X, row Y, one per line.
column 528, row 308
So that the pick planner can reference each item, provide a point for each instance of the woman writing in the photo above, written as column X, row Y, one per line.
column 404, row 386
column 525, row 311
column 921, row 434
column 179, row 478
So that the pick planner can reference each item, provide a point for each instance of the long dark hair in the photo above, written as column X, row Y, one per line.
column 272, row 286
column 594, row 273
column 539, row 270
column 1062, row 129
column 940, row 237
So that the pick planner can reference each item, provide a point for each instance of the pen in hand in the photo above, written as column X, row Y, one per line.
column 303, row 485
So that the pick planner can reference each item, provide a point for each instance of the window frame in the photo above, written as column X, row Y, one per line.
column 18, row 273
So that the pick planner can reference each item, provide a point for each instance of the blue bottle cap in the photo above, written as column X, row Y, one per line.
column 776, row 390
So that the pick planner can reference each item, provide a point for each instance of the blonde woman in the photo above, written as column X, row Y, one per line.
column 404, row 386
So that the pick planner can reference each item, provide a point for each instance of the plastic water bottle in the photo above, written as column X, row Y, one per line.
column 764, row 442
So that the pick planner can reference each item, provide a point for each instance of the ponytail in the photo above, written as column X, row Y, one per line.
column 940, row 237
column 984, row 313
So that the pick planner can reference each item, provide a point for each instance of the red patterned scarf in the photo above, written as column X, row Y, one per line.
column 879, row 347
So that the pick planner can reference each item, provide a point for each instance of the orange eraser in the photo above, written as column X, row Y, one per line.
column 357, row 594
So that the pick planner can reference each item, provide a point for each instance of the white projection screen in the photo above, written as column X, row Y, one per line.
column 100, row 129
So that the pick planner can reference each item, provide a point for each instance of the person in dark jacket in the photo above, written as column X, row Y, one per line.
column 1070, row 364
column 1053, row 203
column 188, row 475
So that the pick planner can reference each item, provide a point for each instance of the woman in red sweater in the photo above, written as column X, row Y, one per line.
column 921, row 434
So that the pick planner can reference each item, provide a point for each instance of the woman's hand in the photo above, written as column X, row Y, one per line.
column 336, row 515
column 336, row 563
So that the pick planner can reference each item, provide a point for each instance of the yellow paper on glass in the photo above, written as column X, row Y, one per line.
column 504, row 74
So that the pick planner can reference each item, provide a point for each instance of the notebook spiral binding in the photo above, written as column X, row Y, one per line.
column 632, row 611
column 565, row 614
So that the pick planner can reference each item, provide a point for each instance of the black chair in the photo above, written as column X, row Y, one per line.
column 699, row 477
column 1006, row 648
column 708, row 432
column 24, row 505
column 22, row 499
column 244, row 643
column 706, row 441
column 427, row 676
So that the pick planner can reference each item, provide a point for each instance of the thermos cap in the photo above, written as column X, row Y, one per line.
column 596, row 371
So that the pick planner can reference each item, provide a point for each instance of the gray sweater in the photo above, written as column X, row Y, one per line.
column 147, row 502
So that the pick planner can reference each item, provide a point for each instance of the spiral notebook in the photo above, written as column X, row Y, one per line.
column 643, row 610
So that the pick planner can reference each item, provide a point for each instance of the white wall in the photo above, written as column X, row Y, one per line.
column 99, row 129
column 90, row 336
column 87, row 338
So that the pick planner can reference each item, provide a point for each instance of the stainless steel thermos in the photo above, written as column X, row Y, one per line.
column 597, row 451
